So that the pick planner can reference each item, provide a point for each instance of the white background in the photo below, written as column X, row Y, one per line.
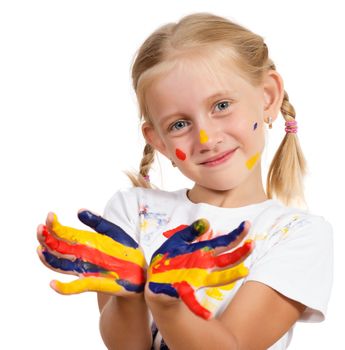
column 69, row 127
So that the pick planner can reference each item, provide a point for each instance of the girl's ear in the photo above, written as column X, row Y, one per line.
column 153, row 138
column 273, row 93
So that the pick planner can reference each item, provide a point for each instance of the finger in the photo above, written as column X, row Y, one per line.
column 225, row 242
column 223, row 277
column 43, row 259
column 174, row 245
column 196, row 229
column 107, row 228
column 97, row 241
column 96, row 284
column 235, row 257
column 187, row 294
column 199, row 278
column 202, row 259
column 62, row 265
column 125, row 269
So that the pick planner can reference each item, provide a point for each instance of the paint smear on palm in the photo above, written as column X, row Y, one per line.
column 203, row 258
column 127, row 270
column 203, row 137
column 98, row 241
column 252, row 161
column 198, row 278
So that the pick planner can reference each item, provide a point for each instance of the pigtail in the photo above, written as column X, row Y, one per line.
column 288, row 167
column 142, row 179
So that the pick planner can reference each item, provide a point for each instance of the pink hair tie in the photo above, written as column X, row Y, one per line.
column 147, row 178
column 291, row 127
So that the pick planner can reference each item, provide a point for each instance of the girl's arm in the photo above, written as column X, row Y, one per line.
column 124, row 322
column 255, row 319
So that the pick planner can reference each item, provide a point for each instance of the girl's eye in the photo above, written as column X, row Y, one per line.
column 223, row 105
column 180, row 124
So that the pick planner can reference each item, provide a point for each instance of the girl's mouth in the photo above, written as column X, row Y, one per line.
column 219, row 159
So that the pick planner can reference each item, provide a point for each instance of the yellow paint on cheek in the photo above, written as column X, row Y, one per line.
column 252, row 161
column 203, row 136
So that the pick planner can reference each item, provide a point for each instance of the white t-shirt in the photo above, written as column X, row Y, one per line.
column 293, row 251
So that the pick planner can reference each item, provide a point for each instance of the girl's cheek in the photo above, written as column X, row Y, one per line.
column 180, row 154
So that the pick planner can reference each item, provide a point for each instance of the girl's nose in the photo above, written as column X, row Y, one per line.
column 209, row 137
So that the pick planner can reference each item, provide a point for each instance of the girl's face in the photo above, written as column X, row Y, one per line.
column 210, row 125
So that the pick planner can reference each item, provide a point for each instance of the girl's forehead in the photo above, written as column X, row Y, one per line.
column 196, row 73
column 217, row 66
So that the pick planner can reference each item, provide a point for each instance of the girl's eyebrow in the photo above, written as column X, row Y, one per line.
column 206, row 101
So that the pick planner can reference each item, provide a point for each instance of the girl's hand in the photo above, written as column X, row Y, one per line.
column 107, row 260
column 179, row 268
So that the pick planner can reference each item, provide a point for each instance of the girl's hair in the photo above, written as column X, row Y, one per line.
column 200, row 34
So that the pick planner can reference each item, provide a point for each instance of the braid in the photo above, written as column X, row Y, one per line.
column 146, row 160
column 141, row 179
column 285, row 175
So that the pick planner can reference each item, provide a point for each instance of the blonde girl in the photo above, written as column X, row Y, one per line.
column 225, row 264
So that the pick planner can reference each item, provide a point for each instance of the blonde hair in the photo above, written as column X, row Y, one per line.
column 197, row 34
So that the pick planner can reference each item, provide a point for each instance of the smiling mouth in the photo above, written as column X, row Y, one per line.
column 219, row 158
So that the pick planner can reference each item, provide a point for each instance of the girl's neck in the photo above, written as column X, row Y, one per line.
column 250, row 192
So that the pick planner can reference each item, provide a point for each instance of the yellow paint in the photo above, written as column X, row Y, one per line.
column 144, row 225
column 203, row 136
column 285, row 230
column 200, row 277
column 260, row 236
column 207, row 304
column 228, row 286
column 215, row 293
column 85, row 284
column 98, row 241
column 252, row 161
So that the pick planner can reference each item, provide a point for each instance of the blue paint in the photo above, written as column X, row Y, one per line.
column 221, row 241
column 179, row 243
column 163, row 288
column 131, row 287
column 255, row 125
column 107, row 228
column 78, row 266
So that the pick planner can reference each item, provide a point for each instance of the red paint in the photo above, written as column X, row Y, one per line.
column 203, row 260
column 171, row 232
column 125, row 269
column 186, row 293
column 180, row 154
column 235, row 256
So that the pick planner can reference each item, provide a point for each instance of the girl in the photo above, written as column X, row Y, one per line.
column 206, row 87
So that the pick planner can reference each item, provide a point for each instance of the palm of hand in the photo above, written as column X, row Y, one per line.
column 107, row 260
column 179, row 268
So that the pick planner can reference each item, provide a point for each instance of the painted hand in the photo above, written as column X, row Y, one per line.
column 179, row 267
column 107, row 260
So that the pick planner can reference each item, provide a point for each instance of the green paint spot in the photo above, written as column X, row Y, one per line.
column 201, row 226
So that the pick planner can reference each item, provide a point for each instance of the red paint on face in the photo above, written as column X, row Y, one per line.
column 180, row 154
column 125, row 269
